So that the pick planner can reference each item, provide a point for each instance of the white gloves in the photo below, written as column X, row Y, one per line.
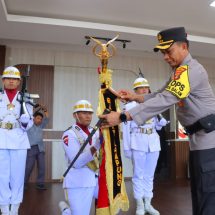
column 162, row 122
column 26, row 122
column 158, row 127
column 128, row 153
column 24, row 118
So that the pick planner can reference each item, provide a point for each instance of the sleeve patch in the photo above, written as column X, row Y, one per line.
column 179, row 86
column 66, row 140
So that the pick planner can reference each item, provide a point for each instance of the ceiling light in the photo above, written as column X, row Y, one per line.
column 212, row 4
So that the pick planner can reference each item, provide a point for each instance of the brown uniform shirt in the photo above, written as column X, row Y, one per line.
column 199, row 103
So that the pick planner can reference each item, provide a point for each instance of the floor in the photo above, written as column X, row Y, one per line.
column 170, row 198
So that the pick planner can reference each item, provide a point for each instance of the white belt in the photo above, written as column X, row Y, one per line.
column 143, row 130
column 9, row 125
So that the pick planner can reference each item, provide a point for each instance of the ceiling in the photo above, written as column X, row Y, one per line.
column 67, row 22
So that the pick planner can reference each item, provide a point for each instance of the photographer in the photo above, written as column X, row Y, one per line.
column 37, row 150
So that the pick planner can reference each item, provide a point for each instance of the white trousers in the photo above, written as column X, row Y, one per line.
column 80, row 200
column 144, row 164
column 12, row 173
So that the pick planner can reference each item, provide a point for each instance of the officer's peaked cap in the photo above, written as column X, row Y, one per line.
column 167, row 37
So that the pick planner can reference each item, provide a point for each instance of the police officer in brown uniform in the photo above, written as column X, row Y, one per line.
column 189, row 88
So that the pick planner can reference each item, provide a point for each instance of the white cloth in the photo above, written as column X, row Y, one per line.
column 12, row 172
column 143, row 148
column 144, row 164
column 80, row 200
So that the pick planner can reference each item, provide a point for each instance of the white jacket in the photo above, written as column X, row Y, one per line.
column 15, row 138
column 134, row 139
column 79, row 175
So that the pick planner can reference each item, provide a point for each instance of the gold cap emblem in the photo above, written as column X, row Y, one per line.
column 160, row 38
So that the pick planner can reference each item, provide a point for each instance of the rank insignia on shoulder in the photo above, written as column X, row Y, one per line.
column 77, row 128
column 66, row 140
column 179, row 86
column 68, row 128
column 178, row 72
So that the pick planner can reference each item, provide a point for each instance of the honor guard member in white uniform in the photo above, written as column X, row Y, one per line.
column 189, row 88
column 81, row 181
column 142, row 145
column 13, row 143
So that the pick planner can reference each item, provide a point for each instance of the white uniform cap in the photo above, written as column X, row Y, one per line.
column 140, row 82
column 82, row 105
column 11, row 72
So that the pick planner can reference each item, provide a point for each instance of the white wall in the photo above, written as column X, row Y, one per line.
column 75, row 77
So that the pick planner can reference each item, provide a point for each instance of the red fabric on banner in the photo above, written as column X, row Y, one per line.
column 103, row 201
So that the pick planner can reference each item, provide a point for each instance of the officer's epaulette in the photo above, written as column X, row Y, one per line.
column 77, row 127
column 68, row 128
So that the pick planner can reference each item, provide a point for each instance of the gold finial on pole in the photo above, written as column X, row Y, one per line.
column 104, row 55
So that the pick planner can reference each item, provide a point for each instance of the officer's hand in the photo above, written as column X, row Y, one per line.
column 127, row 95
column 113, row 119
column 24, row 118
column 128, row 154
column 110, row 119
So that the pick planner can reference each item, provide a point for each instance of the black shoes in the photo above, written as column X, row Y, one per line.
column 41, row 187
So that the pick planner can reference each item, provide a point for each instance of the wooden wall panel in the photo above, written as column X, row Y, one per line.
column 179, row 152
column 2, row 58
column 41, row 81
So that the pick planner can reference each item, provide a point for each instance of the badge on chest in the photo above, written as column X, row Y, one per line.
column 10, row 106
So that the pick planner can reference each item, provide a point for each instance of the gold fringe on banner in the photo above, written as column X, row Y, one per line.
column 121, row 200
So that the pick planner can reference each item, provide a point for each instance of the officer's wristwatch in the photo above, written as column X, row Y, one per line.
column 123, row 117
